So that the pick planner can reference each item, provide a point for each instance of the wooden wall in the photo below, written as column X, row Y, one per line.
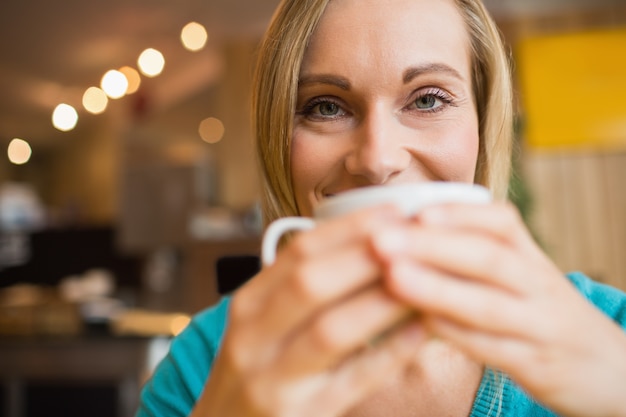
column 579, row 211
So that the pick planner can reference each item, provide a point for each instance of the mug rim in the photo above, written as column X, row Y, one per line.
column 410, row 197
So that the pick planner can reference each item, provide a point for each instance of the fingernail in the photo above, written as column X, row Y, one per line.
column 433, row 215
column 391, row 241
column 405, row 281
column 387, row 211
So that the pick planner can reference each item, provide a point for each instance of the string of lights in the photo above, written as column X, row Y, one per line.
column 118, row 83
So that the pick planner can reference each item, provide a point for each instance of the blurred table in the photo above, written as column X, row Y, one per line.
column 89, row 358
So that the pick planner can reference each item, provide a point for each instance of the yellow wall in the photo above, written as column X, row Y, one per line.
column 573, row 90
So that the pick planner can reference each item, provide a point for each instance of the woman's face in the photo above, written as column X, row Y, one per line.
column 385, row 97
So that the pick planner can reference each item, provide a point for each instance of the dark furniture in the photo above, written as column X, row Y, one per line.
column 71, row 376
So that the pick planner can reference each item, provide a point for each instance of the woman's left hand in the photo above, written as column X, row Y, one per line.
column 480, row 281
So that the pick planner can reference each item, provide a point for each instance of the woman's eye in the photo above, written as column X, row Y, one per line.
column 431, row 100
column 322, row 109
column 428, row 102
column 328, row 109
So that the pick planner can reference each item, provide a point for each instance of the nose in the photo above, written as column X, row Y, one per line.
column 379, row 150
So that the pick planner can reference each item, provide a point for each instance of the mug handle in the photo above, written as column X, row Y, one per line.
column 276, row 230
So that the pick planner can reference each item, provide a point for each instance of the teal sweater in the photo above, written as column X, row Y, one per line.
column 181, row 375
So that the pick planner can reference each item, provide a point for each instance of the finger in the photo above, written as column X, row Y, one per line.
column 559, row 372
column 338, row 332
column 505, row 353
column 333, row 391
column 500, row 219
column 313, row 287
column 471, row 304
column 330, row 236
column 371, row 368
column 309, row 283
column 463, row 253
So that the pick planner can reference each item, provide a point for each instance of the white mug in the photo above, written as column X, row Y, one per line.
column 410, row 198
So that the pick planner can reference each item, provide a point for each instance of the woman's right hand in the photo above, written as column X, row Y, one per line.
column 297, row 341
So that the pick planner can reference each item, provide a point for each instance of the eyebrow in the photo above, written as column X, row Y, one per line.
column 335, row 80
column 411, row 73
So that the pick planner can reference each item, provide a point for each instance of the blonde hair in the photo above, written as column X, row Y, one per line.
column 276, row 86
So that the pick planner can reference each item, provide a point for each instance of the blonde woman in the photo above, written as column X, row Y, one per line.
column 470, row 318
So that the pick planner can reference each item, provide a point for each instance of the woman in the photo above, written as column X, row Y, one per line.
column 373, row 314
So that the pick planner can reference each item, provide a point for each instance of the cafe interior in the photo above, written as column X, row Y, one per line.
column 127, row 179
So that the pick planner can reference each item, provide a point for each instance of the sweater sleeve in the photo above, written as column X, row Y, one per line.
column 608, row 299
column 179, row 378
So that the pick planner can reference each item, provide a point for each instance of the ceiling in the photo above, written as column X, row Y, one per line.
column 51, row 51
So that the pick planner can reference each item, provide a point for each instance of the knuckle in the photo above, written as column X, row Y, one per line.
column 305, row 285
column 267, row 397
column 300, row 247
column 325, row 336
column 235, row 352
column 239, row 308
column 510, row 217
column 488, row 311
column 503, row 265
column 493, row 258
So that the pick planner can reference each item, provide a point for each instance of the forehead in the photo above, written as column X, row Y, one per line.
column 378, row 33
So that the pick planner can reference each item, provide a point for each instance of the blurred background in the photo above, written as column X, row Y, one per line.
column 126, row 171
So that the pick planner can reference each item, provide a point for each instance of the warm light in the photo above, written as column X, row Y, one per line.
column 64, row 117
column 178, row 324
column 151, row 62
column 211, row 130
column 19, row 151
column 114, row 84
column 95, row 100
column 134, row 80
column 193, row 36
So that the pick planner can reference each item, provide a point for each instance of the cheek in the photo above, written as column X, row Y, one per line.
column 458, row 153
column 302, row 164
column 309, row 162
column 468, row 151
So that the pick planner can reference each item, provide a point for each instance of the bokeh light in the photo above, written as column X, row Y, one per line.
column 133, row 77
column 64, row 117
column 211, row 130
column 114, row 84
column 151, row 62
column 95, row 100
column 193, row 36
column 19, row 151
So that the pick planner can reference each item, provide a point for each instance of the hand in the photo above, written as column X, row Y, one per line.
column 297, row 339
column 481, row 282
